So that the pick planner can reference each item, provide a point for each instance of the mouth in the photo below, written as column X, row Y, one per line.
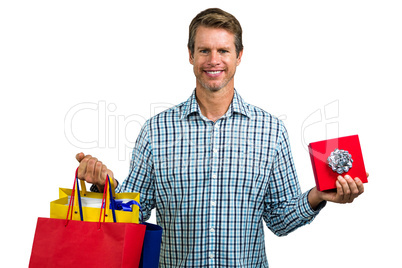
column 213, row 73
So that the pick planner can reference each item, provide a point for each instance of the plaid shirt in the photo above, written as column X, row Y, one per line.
column 213, row 183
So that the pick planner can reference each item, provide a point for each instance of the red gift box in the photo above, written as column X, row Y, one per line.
column 325, row 177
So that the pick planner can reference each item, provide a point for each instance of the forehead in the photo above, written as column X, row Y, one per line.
column 214, row 37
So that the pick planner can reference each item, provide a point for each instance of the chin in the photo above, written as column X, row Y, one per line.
column 214, row 87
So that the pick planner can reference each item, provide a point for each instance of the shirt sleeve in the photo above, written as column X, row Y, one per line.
column 286, row 208
column 141, row 177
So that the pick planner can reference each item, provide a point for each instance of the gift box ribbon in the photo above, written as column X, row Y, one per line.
column 340, row 161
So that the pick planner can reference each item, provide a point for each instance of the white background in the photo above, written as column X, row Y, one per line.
column 85, row 75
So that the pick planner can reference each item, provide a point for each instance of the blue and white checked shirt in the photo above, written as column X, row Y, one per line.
column 213, row 184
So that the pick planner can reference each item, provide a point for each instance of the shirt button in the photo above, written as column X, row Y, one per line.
column 212, row 230
column 214, row 176
column 216, row 150
column 211, row 255
column 213, row 203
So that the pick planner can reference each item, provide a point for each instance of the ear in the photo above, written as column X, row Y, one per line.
column 239, row 58
column 191, row 58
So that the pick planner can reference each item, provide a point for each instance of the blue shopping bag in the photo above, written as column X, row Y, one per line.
column 152, row 246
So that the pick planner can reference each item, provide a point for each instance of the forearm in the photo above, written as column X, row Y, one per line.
column 285, row 217
column 314, row 199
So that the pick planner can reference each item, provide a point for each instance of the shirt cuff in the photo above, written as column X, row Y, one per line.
column 305, row 211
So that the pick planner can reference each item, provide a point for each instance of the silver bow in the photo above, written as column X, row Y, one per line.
column 340, row 161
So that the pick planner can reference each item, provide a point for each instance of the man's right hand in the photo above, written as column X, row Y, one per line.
column 93, row 171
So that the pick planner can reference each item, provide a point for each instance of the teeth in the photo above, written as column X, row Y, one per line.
column 213, row 72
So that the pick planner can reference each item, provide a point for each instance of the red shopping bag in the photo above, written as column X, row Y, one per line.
column 69, row 243
column 84, row 244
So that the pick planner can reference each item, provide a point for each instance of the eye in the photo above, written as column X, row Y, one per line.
column 203, row 51
column 223, row 51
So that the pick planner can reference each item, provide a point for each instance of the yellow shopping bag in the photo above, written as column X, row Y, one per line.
column 91, row 205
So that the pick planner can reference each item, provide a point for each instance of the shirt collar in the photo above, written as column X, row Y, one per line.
column 238, row 105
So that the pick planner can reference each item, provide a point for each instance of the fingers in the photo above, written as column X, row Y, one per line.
column 91, row 170
column 339, row 188
column 354, row 191
column 98, row 172
column 360, row 185
column 348, row 189
column 90, row 163
column 104, row 172
column 80, row 156
column 82, row 168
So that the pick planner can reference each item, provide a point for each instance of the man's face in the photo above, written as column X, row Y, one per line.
column 214, row 60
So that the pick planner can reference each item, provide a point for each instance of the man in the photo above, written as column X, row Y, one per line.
column 215, row 167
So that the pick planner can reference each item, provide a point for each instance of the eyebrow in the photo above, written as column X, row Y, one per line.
column 207, row 48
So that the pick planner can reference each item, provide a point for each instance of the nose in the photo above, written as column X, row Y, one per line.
column 214, row 58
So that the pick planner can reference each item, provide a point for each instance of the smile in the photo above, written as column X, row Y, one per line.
column 214, row 73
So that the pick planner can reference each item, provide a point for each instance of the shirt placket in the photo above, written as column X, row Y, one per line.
column 213, row 193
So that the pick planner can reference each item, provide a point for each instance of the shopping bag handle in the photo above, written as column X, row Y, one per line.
column 82, row 184
column 79, row 200
column 109, row 195
column 111, row 198
column 74, row 194
column 106, row 201
column 77, row 194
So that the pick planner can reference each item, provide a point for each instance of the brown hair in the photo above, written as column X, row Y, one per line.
column 216, row 18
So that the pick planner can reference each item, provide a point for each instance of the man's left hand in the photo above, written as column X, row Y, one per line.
column 347, row 189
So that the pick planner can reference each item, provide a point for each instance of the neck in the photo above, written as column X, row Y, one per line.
column 214, row 104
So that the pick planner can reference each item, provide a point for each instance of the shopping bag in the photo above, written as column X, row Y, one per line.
column 84, row 244
column 152, row 246
column 63, row 243
column 91, row 205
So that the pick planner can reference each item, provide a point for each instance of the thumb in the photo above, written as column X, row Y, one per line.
column 80, row 156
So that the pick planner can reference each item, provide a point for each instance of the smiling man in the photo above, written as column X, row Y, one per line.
column 215, row 167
